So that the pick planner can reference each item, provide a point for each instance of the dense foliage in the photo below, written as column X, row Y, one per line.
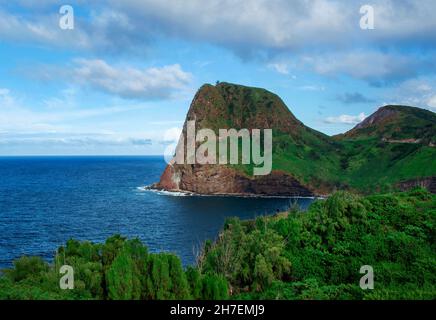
column 318, row 254
column 119, row 269
column 315, row 254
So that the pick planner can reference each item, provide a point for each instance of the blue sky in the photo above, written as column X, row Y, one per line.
column 122, row 80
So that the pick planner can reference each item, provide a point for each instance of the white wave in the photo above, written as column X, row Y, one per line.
column 165, row 192
column 173, row 193
column 193, row 194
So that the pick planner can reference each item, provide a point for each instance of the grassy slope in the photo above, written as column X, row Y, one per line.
column 371, row 164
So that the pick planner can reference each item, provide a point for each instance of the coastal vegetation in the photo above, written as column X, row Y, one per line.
column 315, row 254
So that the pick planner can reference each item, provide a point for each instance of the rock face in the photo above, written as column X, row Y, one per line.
column 381, row 116
column 214, row 179
column 428, row 183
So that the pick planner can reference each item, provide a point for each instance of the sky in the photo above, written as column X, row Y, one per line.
column 120, row 81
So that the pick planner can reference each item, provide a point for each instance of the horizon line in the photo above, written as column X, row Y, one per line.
column 80, row 155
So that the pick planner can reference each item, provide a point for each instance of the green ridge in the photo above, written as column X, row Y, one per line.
column 394, row 144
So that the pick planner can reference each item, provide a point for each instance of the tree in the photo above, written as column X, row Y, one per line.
column 214, row 287
column 123, row 278
column 27, row 267
column 194, row 279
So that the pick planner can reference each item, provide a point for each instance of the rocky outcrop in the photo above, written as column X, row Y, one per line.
column 383, row 115
column 226, row 106
column 222, row 180
column 428, row 183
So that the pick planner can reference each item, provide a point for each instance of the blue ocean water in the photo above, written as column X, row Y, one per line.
column 45, row 201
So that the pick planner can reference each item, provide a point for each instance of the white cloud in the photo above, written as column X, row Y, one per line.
column 72, row 139
column 165, row 122
column 278, row 27
column 172, row 134
column 236, row 24
column 129, row 82
column 283, row 24
column 4, row 92
column 42, row 29
column 420, row 92
column 282, row 68
column 431, row 102
column 6, row 99
column 66, row 99
column 121, row 80
column 372, row 66
column 103, row 31
column 375, row 67
column 52, row 128
column 242, row 25
column 16, row 116
column 311, row 88
column 346, row 119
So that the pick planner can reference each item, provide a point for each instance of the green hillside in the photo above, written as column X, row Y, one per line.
column 397, row 123
column 394, row 144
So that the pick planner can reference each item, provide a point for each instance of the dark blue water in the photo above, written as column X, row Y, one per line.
column 45, row 201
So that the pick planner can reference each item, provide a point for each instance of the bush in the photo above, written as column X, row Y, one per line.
column 214, row 287
column 27, row 267
column 119, row 269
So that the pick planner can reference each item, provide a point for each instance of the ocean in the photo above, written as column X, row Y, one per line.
column 44, row 201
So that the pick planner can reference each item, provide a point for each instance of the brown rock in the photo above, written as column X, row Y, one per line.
column 219, row 179
column 428, row 183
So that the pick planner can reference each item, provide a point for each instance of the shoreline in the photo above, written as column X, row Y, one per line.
column 161, row 191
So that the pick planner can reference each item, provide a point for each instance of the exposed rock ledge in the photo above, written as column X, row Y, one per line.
column 221, row 180
column 429, row 183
